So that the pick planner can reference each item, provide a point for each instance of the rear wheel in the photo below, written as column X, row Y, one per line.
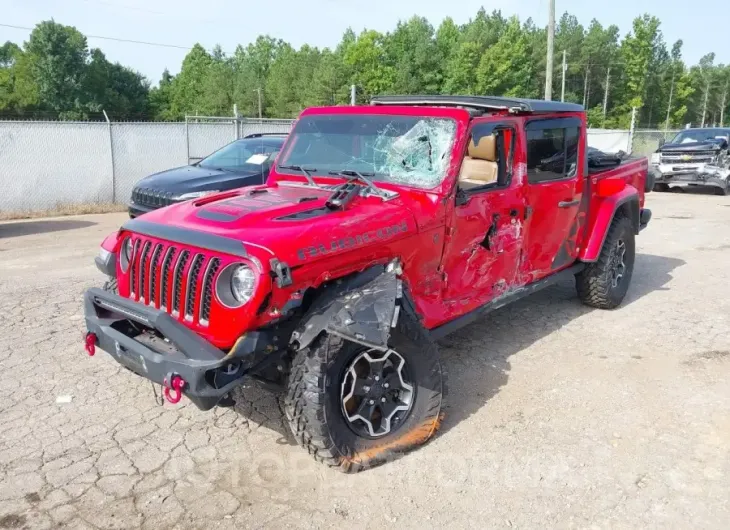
column 604, row 283
column 354, row 407
column 661, row 186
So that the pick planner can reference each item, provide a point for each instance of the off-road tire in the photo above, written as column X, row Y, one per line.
column 595, row 283
column 111, row 286
column 661, row 187
column 313, row 408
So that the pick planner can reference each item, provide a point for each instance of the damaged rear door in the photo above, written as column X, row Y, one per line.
column 484, row 243
column 554, row 194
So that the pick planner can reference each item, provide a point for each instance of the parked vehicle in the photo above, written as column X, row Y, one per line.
column 381, row 229
column 695, row 157
column 241, row 163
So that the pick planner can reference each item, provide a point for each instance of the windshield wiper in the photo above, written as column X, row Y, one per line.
column 352, row 176
column 307, row 171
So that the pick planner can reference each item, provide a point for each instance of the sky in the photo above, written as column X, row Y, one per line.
column 321, row 22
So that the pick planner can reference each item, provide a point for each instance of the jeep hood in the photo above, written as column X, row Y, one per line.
column 290, row 223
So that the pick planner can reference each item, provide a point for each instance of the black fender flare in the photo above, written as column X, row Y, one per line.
column 362, row 308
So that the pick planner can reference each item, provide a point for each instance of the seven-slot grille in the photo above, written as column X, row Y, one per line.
column 150, row 197
column 172, row 279
column 692, row 157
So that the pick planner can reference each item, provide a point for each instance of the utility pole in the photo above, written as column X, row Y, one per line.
column 605, row 94
column 353, row 95
column 562, row 90
column 669, row 107
column 260, row 108
column 704, row 106
column 550, row 41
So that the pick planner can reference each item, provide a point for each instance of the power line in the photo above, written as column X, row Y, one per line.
column 146, row 43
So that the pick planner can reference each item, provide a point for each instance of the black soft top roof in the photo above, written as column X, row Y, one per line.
column 480, row 103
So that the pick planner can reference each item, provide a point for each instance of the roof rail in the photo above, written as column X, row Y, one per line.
column 480, row 103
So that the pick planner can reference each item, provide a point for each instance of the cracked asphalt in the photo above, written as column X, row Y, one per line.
column 558, row 415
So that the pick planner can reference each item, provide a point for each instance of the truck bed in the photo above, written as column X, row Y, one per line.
column 627, row 166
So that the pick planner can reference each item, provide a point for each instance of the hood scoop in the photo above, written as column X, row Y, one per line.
column 272, row 202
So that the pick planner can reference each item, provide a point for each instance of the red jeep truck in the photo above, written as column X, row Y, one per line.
column 381, row 229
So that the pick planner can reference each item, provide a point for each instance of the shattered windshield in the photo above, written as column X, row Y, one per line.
column 410, row 150
column 700, row 135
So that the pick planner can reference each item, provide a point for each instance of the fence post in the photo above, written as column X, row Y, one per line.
column 632, row 129
column 187, row 141
column 111, row 157
column 237, row 121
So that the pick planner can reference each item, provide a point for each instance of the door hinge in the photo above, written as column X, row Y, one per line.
column 528, row 211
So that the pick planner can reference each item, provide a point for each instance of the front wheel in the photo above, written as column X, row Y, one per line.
column 354, row 407
column 604, row 283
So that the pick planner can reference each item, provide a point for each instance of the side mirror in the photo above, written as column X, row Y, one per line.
column 662, row 141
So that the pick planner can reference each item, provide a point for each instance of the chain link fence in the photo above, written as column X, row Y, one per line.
column 52, row 165
column 646, row 141
column 49, row 165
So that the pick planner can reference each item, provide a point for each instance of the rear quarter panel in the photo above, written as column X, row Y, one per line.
column 611, row 190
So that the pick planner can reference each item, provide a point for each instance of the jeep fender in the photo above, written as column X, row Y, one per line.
column 360, row 308
column 627, row 200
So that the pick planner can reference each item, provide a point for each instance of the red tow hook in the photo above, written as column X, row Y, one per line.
column 176, row 385
column 90, row 343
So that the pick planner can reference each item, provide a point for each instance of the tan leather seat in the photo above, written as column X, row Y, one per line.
column 480, row 166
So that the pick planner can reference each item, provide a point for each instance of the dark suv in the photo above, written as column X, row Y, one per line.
column 241, row 163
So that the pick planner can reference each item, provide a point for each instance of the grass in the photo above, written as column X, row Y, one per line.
column 62, row 210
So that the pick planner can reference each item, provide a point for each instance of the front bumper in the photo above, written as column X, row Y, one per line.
column 693, row 175
column 181, row 353
column 135, row 210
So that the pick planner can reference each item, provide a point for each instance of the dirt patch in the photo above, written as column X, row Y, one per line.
column 714, row 354
column 75, row 209
column 33, row 497
column 714, row 247
column 12, row 520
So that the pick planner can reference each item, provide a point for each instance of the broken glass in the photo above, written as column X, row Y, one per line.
column 410, row 150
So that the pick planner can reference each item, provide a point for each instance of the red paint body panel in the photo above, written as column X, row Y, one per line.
column 602, row 209
column 448, row 268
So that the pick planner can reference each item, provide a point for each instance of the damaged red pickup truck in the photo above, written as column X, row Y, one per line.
column 381, row 229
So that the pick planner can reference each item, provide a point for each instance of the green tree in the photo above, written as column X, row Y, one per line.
column 413, row 52
column 160, row 98
column 58, row 56
column 329, row 84
column 505, row 68
column 217, row 96
column 18, row 89
column 118, row 90
column 366, row 58
column 477, row 35
column 639, row 52
column 599, row 53
column 569, row 37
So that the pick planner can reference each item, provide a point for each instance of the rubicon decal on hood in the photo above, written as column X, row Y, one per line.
column 354, row 241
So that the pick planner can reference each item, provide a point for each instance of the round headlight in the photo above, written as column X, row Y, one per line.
column 126, row 254
column 243, row 281
column 235, row 285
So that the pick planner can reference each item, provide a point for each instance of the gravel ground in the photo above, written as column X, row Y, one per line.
column 558, row 415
